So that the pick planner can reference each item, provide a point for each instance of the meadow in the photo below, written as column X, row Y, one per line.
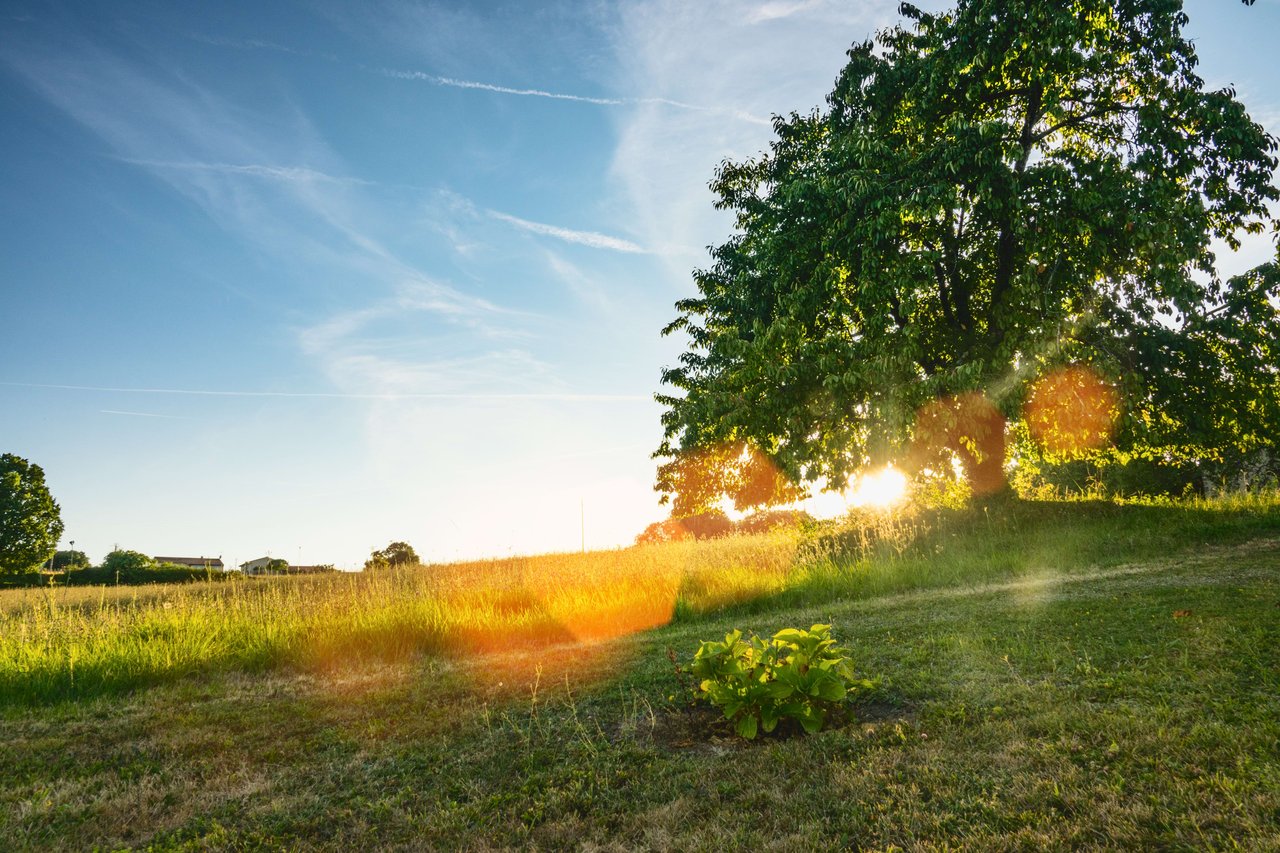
column 1056, row 674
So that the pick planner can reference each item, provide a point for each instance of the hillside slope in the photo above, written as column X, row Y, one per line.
column 1082, row 704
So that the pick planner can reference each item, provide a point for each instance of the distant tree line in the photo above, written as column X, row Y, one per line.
column 715, row 524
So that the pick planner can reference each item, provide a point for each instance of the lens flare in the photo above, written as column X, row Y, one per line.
column 967, row 427
column 1071, row 410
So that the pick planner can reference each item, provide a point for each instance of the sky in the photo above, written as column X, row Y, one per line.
column 303, row 278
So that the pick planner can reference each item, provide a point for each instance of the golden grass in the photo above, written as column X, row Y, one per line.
column 66, row 642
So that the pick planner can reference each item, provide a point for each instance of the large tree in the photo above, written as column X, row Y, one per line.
column 991, row 192
column 30, row 521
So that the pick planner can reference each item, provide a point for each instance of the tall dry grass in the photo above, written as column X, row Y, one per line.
column 80, row 641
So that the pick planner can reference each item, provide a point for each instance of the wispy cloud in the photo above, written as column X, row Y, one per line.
column 583, row 238
column 582, row 285
column 144, row 414
column 245, row 172
column 778, row 9
column 769, row 58
column 300, row 174
column 561, row 396
column 255, row 44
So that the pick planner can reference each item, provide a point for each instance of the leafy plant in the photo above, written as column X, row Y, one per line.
column 796, row 674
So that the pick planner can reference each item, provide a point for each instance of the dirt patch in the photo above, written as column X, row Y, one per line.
column 701, row 729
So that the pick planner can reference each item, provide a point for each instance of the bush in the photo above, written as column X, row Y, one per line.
column 797, row 675
column 764, row 521
column 127, row 562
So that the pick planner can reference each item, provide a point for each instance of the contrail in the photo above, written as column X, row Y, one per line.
column 281, row 173
column 583, row 238
column 438, row 80
column 504, row 90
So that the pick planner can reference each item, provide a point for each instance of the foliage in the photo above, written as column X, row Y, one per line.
column 121, row 560
column 1172, row 472
column 30, row 520
column 666, row 530
column 975, row 208
column 797, row 675
column 158, row 573
column 70, row 560
column 707, row 525
column 734, row 469
column 395, row 554
column 764, row 521
column 715, row 524
column 277, row 566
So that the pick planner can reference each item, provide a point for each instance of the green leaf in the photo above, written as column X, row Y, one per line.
column 831, row 690
column 811, row 720
column 769, row 717
column 780, row 690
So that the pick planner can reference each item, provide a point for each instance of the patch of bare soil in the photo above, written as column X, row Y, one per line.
column 703, row 729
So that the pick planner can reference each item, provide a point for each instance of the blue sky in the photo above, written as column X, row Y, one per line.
column 304, row 278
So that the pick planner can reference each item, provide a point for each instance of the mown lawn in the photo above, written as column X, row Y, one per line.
column 1069, row 676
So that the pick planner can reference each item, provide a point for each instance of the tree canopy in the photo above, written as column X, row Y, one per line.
column 993, row 193
column 395, row 554
column 126, row 561
column 68, row 560
column 30, row 520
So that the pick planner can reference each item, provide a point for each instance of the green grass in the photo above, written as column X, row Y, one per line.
column 1053, row 676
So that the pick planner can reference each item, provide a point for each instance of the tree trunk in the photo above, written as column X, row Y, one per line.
column 982, row 453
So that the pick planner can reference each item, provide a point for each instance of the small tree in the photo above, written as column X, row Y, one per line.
column 70, row 560
column 667, row 530
column 30, row 520
column 395, row 554
column 127, row 562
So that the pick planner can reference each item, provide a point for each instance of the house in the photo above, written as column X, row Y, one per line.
column 263, row 566
column 260, row 566
column 213, row 564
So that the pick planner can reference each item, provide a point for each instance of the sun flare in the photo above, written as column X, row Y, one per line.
column 879, row 489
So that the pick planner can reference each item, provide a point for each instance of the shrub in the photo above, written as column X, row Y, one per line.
column 124, row 561
column 797, row 675
column 667, row 530
column 764, row 521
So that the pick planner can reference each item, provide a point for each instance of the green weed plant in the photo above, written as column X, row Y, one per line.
column 795, row 675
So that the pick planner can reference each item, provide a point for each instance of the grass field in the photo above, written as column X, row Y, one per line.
column 1065, row 675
